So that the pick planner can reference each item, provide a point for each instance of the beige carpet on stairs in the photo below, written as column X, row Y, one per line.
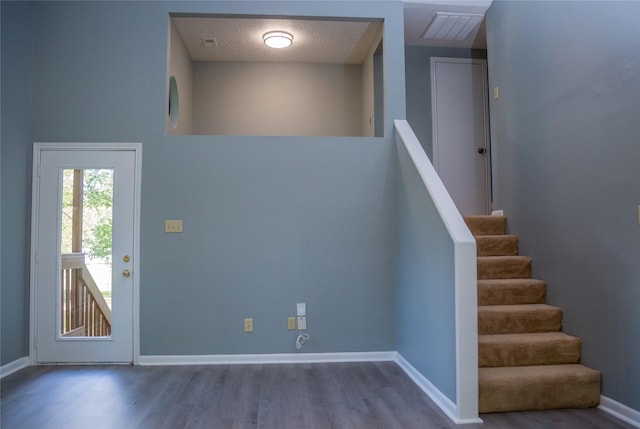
column 526, row 362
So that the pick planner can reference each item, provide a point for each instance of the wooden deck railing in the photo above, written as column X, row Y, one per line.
column 85, row 313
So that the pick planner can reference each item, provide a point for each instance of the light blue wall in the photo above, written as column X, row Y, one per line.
column 566, row 159
column 425, row 289
column 418, row 90
column 268, row 222
column 100, row 70
column 16, row 48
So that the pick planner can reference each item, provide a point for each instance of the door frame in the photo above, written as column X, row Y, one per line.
column 485, row 113
column 38, row 148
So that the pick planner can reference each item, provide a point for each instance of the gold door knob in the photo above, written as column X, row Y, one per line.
column 126, row 273
column 126, row 258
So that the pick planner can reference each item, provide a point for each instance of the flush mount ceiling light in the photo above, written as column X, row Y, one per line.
column 278, row 39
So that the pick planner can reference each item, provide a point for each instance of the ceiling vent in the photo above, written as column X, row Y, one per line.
column 210, row 42
column 452, row 26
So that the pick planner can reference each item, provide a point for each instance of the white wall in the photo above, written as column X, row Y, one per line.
column 277, row 99
column 180, row 66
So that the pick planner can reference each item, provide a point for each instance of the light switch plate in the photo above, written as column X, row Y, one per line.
column 173, row 225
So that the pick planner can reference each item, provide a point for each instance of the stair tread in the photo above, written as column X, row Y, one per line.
column 510, row 282
column 519, row 308
column 541, row 374
column 503, row 258
column 526, row 338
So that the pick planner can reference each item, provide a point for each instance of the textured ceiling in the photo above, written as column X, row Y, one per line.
column 240, row 39
column 317, row 41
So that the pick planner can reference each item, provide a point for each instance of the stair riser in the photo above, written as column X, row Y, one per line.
column 486, row 225
column 506, row 245
column 497, row 355
column 538, row 395
column 510, row 295
column 519, row 323
column 504, row 268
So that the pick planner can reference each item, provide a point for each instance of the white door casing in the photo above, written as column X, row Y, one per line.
column 460, row 124
column 46, row 343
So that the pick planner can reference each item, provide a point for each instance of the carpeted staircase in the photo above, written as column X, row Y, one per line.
column 526, row 362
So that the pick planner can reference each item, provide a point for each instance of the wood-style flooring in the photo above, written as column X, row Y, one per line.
column 324, row 395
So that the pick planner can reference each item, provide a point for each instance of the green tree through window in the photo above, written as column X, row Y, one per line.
column 97, row 213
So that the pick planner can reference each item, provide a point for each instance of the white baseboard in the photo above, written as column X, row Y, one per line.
column 444, row 403
column 266, row 358
column 14, row 366
column 620, row 411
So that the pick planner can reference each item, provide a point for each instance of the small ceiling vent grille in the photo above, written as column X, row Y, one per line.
column 452, row 26
column 210, row 42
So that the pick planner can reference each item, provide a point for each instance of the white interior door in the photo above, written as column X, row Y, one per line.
column 84, row 253
column 459, row 100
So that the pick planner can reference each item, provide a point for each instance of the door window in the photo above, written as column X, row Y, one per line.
column 86, row 252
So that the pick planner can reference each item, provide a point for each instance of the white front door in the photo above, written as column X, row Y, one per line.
column 84, row 252
column 459, row 101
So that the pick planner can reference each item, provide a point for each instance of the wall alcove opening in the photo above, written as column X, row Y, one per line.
column 329, row 82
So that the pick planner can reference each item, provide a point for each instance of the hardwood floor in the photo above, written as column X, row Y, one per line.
column 335, row 395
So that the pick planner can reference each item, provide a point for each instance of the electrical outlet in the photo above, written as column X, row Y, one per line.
column 302, row 323
column 248, row 325
column 291, row 323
